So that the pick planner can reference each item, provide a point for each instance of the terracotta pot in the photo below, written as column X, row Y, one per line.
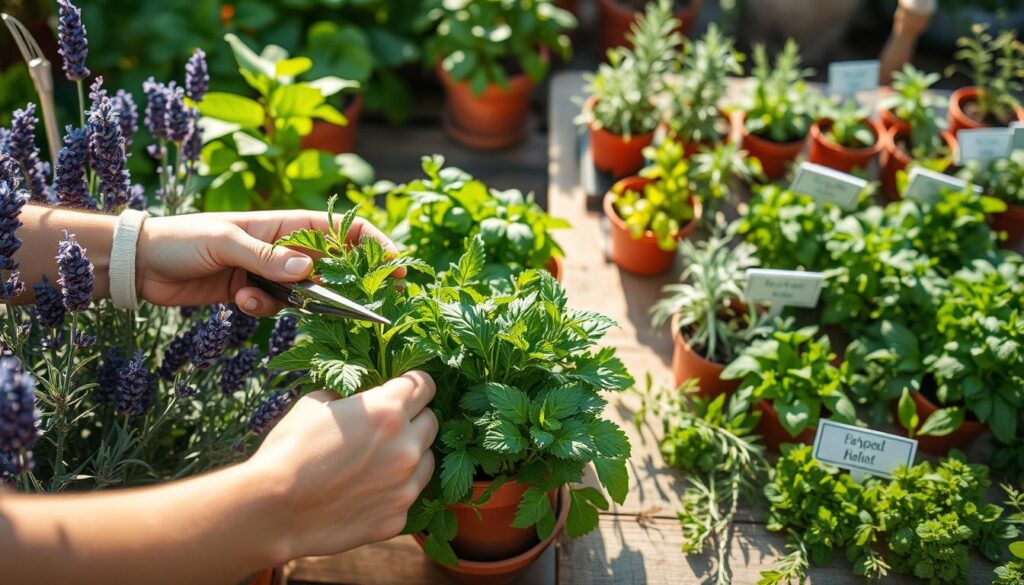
column 272, row 576
column 775, row 157
column 641, row 256
column 334, row 138
column 825, row 151
column 959, row 439
column 692, row 148
column 773, row 434
column 570, row 5
column 615, row 19
column 886, row 118
column 1010, row 221
column 958, row 119
column 614, row 154
column 490, row 536
column 507, row 569
column 554, row 266
column 494, row 119
column 687, row 364
column 893, row 159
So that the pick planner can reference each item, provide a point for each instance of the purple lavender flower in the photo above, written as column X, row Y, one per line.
column 134, row 393
column 236, row 369
column 269, row 412
column 69, row 182
column 197, row 76
column 19, row 417
column 193, row 145
column 242, row 327
column 156, row 108
column 5, row 141
column 49, row 305
column 83, row 339
column 8, row 169
column 177, row 353
column 179, row 115
column 187, row 312
column 107, row 154
column 52, row 342
column 186, row 391
column 209, row 341
column 72, row 43
column 282, row 337
column 24, row 151
column 76, row 273
column 127, row 117
column 137, row 197
column 107, row 377
column 11, row 202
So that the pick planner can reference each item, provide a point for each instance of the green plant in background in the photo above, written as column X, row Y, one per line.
column 715, row 171
column 484, row 42
column 1002, row 178
column 434, row 216
column 792, row 370
column 883, row 363
column 848, row 125
column 788, row 230
column 783, row 106
column 253, row 158
column 995, row 64
column 623, row 89
column 714, row 315
column 1013, row 571
column 912, row 102
column 663, row 207
column 693, row 114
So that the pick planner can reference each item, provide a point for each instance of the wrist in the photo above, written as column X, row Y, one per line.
column 264, row 515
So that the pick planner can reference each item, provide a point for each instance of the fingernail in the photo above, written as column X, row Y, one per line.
column 297, row 265
column 251, row 304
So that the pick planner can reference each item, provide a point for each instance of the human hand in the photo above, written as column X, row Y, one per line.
column 348, row 470
column 202, row 258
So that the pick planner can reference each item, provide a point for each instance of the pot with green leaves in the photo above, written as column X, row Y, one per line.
column 910, row 90
column 712, row 322
column 921, row 139
column 650, row 213
column 776, row 123
column 994, row 64
column 617, row 17
column 790, row 377
column 519, row 378
column 1002, row 178
column 620, row 113
column 845, row 139
column 489, row 57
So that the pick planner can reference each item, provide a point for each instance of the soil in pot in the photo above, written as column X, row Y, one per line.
column 692, row 362
column 334, row 138
column 773, row 434
column 894, row 157
column 641, row 256
column 926, row 401
column 775, row 157
column 964, row 113
column 1010, row 221
column 616, row 17
column 824, row 150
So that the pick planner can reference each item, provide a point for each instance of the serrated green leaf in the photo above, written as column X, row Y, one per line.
column 613, row 476
column 609, row 439
column 306, row 239
column 440, row 551
column 511, row 403
column 456, row 475
column 583, row 511
column 337, row 374
column 504, row 437
column 534, row 506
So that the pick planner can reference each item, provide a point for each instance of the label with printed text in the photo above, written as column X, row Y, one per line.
column 847, row 78
column 862, row 450
column 828, row 185
column 983, row 144
column 926, row 185
column 788, row 288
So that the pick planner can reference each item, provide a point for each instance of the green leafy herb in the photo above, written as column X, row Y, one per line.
column 913, row 103
column 848, row 126
column 783, row 106
column 994, row 64
column 664, row 206
column 698, row 88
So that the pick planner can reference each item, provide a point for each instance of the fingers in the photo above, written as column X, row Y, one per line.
column 424, row 428
column 424, row 470
column 257, row 303
column 414, row 390
column 322, row 396
column 238, row 249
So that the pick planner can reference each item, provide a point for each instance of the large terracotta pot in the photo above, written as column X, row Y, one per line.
column 959, row 439
column 272, row 576
column 825, row 151
column 641, row 256
column 334, row 138
column 893, row 159
column 614, row 154
column 504, row 569
column 775, row 157
column 554, row 266
column 1010, row 221
column 773, row 434
column 494, row 119
column 688, row 364
column 958, row 119
column 616, row 18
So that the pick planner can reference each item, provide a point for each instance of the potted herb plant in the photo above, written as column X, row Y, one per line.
column 994, row 64
column 791, row 379
column 620, row 113
column 714, row 173
column 910, row 87
column 650, row 213
column 712, row 322
column 845, row 139
column 617, row 18
column 489, row 55
column 1003, row 179
column 788, row 230
column 776, row 123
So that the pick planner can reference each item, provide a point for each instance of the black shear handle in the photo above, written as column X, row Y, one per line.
column 281, row 292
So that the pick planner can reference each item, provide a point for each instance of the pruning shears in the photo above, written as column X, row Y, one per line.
column 315, row 298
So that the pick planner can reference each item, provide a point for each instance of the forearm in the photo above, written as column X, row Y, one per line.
column 215, row 528
column 44, row 229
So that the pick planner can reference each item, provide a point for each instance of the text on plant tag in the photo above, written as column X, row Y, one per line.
column 862, row 450
column 790, row 288
column 828, row 185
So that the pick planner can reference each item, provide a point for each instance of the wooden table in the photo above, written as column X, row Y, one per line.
column 639, row 541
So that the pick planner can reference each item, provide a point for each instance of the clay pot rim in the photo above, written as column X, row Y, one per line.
column 589, row 106
column 818, row 134
column 613, row 215
column 740, row 119
column 922, row 403
column 968, row 93
column 492, row 89
column 524, row 558
column 903, row 157
column 556, row 266
column 677, row 337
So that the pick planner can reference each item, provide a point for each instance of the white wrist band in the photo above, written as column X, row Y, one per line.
column 122, row 259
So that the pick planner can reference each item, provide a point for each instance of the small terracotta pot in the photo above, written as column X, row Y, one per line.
column 490, row 536
column 958, row 119
column 616, row 19
column 1010, row 221
column 773, row 434
column 687, row 364
column 893, row 159
column 959, row 439
column 614, row 154
column 272, row 576
column 692, row 148
column 334, row 138
column 825, row 151
column 775, row 157
column 886, row 118
column 505, row 570
column 554, row 266
column 641, row 256
column 492, row 120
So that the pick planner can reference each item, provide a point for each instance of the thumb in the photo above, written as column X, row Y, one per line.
column 279, row 264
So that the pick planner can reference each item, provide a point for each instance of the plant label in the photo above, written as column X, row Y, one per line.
column 862, row 451
column 1018, row 135
column 825, row 184
column 926, row 185
column 847, row 78
column 784, row 288
column 983, row 144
